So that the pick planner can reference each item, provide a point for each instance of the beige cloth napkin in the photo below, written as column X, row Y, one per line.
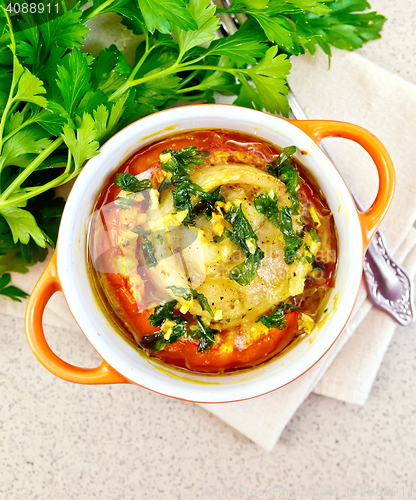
column 358, row 91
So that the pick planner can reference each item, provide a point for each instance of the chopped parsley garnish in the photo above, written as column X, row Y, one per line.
column 153, row 343
column 184, row 158
column 218, row 239
column 276, row 319
column 124, row 202
column 165, row 184
column 189, row 293
column 206, row 335
column 147, row 247
column 148, row 252
column 314, row 235
column 307, row 257
column 157, row 342
column 282, row 219
column 283, row 169
column 245, row 238
column 207, row 206
column 245, row 272
column 179, row 163
column 280, row 160
column 131, row 184
column 162, row 312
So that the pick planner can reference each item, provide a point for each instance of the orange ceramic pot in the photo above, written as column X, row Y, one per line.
column 123, row 363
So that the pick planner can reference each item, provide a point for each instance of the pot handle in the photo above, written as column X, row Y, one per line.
column 371, row 218
column 47, row 285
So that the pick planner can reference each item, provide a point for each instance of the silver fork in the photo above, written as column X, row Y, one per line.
column 388, row 284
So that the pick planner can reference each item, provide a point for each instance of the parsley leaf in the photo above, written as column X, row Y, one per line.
column 153, row 343
column 23, row 225
column 207, row 206
column 290, row 176
column 270, row 86
column 73, row 79
column 242, row 230
column 276, row 319
column 184, row 158
column 206, row 25
column 49, row 121
column 83, row 146
column 27, row 141
column 29, row 87
column 66, row 30
column 11, row 291
column 174, row 12
column 179, row 163
column 109, row 70
column 148, row 252
column 245, row 45
column 245, row 272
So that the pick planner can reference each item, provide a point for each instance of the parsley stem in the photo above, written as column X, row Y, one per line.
column 186, row 80
column 3, row 119
column 68, row 165
column 9, row 103
column 97, row 11
column 18, row 181
column 215, row 68
column 36, row 190
column 127, row 85
column 174, row 69
column 139, row 64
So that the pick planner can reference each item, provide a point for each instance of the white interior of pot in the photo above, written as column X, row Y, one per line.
column 73, row 271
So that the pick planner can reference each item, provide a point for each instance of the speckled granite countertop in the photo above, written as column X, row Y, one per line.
column 60, row 440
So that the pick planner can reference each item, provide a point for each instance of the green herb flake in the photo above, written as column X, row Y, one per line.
column 162, row 312
column 283, row 169
column 189, row 293
column 242, row 233
column 207, row 336
column 276, row 319
column 131, row 184
column 124, row 203
column 218, row 239
column 148, row 252
column 314, row 235
column 282, row 219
